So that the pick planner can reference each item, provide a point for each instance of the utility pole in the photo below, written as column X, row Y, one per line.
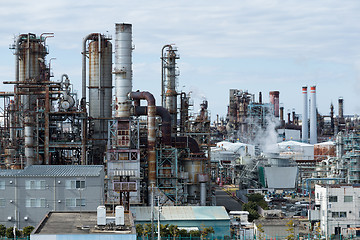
column 159, row 211
column 152, row 211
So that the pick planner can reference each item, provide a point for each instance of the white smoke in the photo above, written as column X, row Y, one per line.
column 266, row 138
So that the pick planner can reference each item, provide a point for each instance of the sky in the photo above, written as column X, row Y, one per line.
column 254, row 45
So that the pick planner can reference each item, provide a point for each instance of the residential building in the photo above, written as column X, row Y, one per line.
column 27, row 195
column 337, row 207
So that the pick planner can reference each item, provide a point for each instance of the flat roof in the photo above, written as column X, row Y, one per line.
column 185, row 213
column 80, row 223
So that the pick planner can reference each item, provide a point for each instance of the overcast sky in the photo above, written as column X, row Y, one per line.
column 254, row 45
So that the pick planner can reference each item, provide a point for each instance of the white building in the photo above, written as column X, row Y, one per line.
column 338, row 208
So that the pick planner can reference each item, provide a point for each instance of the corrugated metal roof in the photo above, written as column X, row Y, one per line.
column 183, row 213
column 56, row 171
column 7, row 172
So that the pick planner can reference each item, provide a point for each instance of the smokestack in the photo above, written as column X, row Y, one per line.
column 289, row 118
column 341, row 107
column 305, row 127
column 123, row 69
column 282, row 114
column 313, row 117
column 293, row 116
column 260, row 97
column 274, row 100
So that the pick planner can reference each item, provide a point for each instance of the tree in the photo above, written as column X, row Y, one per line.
column 139, row 230
column 251, row 207
column 27, row 230
column 291, row 230
column 260, row 230
column 2, row 230
column 10, row 232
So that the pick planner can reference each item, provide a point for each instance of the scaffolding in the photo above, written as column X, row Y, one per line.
column 167, row 173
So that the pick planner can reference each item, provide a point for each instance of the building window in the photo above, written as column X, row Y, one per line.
column 348, row 198
column 332, row 198
column 35, row 184
column 35, row 202
column 2, row 185
column 75, row 184
column 75, row 202
column 2, row 202
column 338, row 214
column 317, row 195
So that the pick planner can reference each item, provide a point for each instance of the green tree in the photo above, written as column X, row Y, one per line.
column 260, row 230
column 27, row 230
column 10, row 232
column 251, row 207
column 258, row 199
column 291, row 230
column 2, row 230
column 139, row 230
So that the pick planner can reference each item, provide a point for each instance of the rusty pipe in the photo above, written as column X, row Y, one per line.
column 88, row 37
column 166, row 121
column 151, row 112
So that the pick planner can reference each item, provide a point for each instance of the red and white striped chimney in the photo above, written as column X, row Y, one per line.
column 313, row 117
column 305, row 127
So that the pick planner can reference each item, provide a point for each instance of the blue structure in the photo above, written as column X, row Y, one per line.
column 187, row 217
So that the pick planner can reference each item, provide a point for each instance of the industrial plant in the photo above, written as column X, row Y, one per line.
column 117, row 147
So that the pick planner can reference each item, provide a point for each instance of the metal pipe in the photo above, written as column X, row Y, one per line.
column 123, row 69
column 305, row 127
column 166, row 121
column 151, row 110
column 313, row 116
column 88, row 37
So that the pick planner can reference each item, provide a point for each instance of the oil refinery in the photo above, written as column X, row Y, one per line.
column 141, row 151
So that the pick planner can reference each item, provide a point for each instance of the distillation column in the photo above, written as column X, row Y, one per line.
column 169, row 78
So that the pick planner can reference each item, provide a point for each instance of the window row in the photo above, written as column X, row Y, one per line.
column 335, row 198
column 41, row 202
column 41, row 184
column 338, row 214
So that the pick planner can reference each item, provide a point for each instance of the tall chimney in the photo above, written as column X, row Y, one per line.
column 123, row 69
column 260, row 97
column 313, row 117
column 274, row 100
column 305, row 127
column 341, row 107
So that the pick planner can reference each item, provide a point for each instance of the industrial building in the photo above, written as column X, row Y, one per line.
column 187, row 217
column 161, row 149
column 27, row 195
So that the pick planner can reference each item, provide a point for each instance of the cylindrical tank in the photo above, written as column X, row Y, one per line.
column 274, row 100
column 123, row 69
column 100, row 84
column 304, row 127
column 194, row 167
column 31, row 51
column 29, row 141
column 313, row 117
